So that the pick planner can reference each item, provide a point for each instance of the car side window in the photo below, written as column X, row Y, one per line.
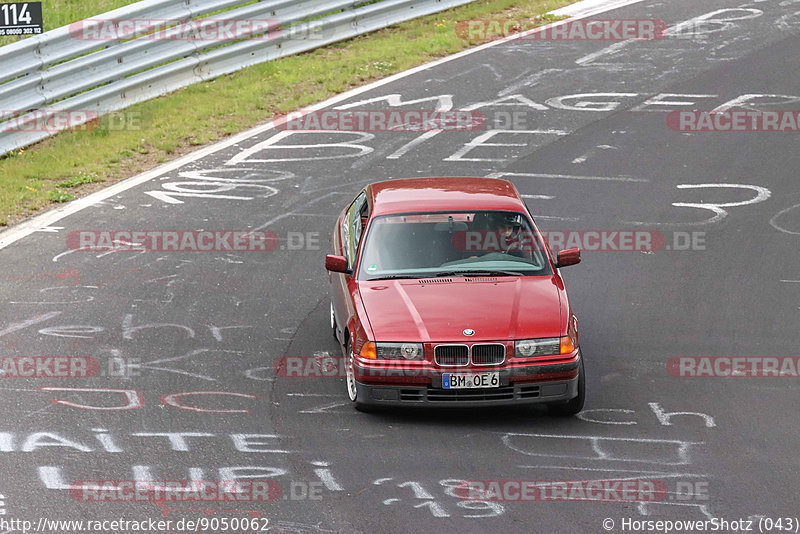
column 352, row 228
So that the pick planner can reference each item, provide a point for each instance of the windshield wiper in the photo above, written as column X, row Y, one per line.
column 490, row 272
column 392, row 277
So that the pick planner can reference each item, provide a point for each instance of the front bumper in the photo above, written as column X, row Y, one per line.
column 522, row 385
column 525, row 393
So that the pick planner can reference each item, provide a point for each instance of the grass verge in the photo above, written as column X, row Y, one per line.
column 123, row 144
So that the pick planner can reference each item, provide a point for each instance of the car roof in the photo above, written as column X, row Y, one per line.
column 443, row 194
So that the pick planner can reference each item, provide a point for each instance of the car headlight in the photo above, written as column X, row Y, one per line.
column 549, row 346
column 399, row 351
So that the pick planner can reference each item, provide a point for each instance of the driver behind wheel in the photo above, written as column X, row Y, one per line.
column 506, row 227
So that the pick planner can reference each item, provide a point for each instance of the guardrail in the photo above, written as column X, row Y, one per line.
column 75, row 69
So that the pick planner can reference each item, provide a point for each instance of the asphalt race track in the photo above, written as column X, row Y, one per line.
column 580, row 127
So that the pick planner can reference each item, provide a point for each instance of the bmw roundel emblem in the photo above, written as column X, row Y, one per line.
column 468, row 332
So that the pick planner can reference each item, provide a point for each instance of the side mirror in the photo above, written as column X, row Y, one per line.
column 336, row 264
column 570, row 256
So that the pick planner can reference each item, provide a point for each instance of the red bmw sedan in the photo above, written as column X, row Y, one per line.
column 443, row 292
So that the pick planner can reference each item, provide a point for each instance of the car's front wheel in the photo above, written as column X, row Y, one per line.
column 352, row 391
column 572, row 406
column 333, row 323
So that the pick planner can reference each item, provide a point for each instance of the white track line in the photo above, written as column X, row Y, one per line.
column 591, row 7
column 579, row 10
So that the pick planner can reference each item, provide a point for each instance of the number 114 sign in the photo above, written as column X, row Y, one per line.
column 23, row 18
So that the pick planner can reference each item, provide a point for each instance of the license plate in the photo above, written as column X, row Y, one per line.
column 470, row 381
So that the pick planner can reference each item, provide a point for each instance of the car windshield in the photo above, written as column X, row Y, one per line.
column 420, row 245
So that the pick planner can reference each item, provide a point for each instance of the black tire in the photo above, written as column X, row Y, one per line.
column 572, row 406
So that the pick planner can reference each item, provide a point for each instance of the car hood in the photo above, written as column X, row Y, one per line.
column 440, row 310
